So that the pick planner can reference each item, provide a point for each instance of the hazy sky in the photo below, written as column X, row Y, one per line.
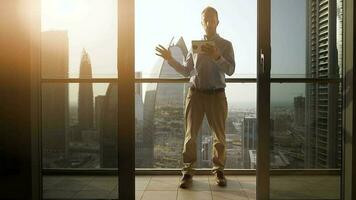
column 92, row 24
column 157, row 21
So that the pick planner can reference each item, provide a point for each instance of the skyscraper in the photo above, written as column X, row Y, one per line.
column 141, row 150
column 249, row 139
column 55, row 120
column 108, row 127
column 85, row 96
column 299, row 111
column 163, row 118
column 99, row 104
column 323, row 128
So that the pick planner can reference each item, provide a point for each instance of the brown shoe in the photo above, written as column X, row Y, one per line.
column 220, row 179
column 186, row 181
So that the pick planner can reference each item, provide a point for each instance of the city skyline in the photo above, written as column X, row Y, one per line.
column 282, row 98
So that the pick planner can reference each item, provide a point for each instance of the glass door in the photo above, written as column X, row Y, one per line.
column 79, row 97
column 300, row 99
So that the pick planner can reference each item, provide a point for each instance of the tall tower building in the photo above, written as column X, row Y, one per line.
column 323, row 128
column 99, row 104
column 108, row 127
column 85, row 96
column 249, row 139
column 55, row 120
column 299, row 111
column 142, row 154
column 163, row 118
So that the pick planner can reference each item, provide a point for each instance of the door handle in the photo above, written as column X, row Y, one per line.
column 262, row 60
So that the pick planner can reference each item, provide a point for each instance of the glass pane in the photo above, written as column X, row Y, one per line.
column 79, row 129
column 167, row 23
column 159, row 112
column 306, row 38
column 306, row 118
column 79, row 32
column 307, row 136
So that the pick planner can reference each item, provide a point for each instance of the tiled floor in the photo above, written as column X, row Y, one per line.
column 166, row 188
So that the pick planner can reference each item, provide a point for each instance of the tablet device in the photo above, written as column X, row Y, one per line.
column 196, row 45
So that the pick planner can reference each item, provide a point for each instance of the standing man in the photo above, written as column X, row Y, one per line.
column 206, row 95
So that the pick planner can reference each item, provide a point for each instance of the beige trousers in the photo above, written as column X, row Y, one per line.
column 214, row 105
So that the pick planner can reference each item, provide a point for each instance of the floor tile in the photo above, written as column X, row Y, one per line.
column 232, row 185
column 92, row 194
column 113, row 194
column 50, row 181
column 159, row 195
column 194, row 195
column 230, row 195
column 204, row 187
column 199, row 185
column 246, row 178
column 251, row 193
column 58, row 194
column 248, row 185
column 163, row 183
column 141, row 183
column 71, row 184
column 138, row 194
column 101, row 185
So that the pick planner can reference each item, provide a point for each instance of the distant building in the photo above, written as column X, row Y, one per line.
column 299, row 111
column 55, row 119
column 163, row 119
column 249, row 139
column 141, row 148
column 108, row 128
column 85, row 97
column 99, row 106
column 252, row 157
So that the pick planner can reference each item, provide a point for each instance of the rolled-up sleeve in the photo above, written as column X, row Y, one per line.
column 226, row 62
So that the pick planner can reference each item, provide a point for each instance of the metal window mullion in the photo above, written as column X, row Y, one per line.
column 263, row 99
column 126, row 99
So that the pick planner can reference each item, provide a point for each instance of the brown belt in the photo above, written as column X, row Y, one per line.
column 208, row 91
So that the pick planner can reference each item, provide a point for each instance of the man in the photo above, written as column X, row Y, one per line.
column 206, row 95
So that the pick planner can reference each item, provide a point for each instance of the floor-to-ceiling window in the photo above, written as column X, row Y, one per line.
column 161, row 90
column 78, row 98
column 306, row 102
column 79, row 95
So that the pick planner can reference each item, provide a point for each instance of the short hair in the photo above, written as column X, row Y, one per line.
column 210, row 9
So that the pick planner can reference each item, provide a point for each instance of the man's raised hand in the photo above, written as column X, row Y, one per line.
column 163, row 52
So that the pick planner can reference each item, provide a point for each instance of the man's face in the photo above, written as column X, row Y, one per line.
column 210, row 21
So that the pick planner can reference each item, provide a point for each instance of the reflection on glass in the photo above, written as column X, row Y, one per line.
column 306, row 126
column 71, row 27
column 79, row 128
column 80, row 187
column 306, row 38
column 78, row 125
column 178, row 29
column 160, row 126
column 306, row 118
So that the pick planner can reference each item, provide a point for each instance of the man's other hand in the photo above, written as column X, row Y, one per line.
column 163, row 52
column 211, row 51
